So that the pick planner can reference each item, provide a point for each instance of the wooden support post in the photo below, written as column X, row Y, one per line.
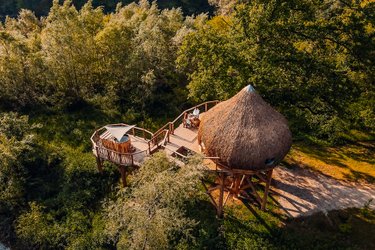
column 266, row 189
column 220, row 207
column 132, row 160
column 205, row 107
column 237, row 183
column 123, row 175
column 144, row 134
column 99, row 163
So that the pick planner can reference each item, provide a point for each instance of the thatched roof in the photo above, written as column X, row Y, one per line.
column 245, row 132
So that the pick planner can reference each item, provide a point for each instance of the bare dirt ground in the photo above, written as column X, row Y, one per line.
column 301, row 191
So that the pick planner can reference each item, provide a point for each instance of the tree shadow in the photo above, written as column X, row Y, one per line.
column 360, row 153
column 356, row 176
column 338, row 229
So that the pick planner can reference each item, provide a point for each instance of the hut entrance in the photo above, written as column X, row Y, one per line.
column 245, row 185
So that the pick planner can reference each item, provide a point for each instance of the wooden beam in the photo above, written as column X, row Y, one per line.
column 220, row 208
column 265, row 196
column 99, row 164
column 209, row 194
column 123, row 175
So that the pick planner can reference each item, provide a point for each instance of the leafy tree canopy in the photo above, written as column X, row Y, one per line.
column 311, row 59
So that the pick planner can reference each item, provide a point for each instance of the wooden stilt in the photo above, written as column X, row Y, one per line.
column 237, row 182
column 268, row 182
column 220, row 207
column 239, row 185
column 99, row 163
column 123, row 175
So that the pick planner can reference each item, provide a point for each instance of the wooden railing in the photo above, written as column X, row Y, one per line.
column 122, row 159
column 125, row 159
column 136, row 131
column 154, row 140
column 170, row 126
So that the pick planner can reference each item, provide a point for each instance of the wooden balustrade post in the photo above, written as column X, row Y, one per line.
column 132, row 160
column 144, row 134
column 133, row 131
column 205, row 107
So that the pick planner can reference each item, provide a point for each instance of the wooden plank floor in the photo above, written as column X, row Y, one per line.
column 186, row 137
column 140, row 144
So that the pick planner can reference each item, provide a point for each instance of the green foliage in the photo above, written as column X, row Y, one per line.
column 311, row 60
column 16, row 153
column 42, row 7
column 150, row 214
column 73, row 57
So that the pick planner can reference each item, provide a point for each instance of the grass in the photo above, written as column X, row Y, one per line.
column 351, row 162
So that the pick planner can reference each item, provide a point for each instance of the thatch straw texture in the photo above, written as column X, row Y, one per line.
column 245, row 132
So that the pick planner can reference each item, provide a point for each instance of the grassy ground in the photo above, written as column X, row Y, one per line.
column 351, row 162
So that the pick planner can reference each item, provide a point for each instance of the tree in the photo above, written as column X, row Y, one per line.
column 150, row 213
column 16, row 140
column 307, row 59
column 21, row 67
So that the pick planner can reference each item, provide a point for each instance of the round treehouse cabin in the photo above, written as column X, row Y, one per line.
column 249, row 138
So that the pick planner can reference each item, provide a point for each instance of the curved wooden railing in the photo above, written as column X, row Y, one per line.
column 170, row 126
column 154, row 140
column 115, row 156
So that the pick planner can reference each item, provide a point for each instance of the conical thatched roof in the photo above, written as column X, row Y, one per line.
column 245, row 132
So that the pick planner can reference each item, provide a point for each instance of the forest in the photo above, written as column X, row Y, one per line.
column 69, row 67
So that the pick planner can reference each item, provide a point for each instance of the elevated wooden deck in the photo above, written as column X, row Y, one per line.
column 183, row 137
column 178, row 141
column 140, row 141
column 146, row 142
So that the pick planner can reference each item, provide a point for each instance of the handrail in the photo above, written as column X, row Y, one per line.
column 123, row 124
column 154, row 140
column 170, row 125
column 119, row 153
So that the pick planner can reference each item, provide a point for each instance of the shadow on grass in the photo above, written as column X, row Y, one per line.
column 355, row 176
column 338, row 229
column 354, row 158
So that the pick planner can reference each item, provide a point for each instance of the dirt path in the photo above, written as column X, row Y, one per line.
column 303, row 192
